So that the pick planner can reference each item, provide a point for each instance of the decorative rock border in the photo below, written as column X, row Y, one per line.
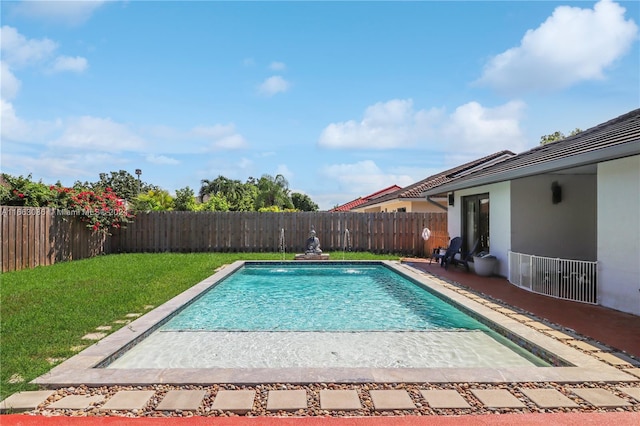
column 327, row 399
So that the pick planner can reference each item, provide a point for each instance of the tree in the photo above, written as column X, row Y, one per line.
column 556, row 136
column 303, row 202
column 122, row 183
column 101, row 210
column 231, row 189
column 553, row 137
column 22, row 191
column 215, row 203
column 247, row 198
column 215, row 186
column 185, row 200
column 154, row 200
column 273, row 191
column 254, row 195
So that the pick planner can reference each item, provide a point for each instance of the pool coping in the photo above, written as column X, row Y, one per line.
column 80, row 369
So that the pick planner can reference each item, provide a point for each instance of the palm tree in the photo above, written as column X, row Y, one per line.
column 205, row 188
column 216, row 186
column 273, row 191
column 231, row 189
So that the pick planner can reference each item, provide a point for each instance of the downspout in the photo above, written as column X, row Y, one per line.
column 435, row 203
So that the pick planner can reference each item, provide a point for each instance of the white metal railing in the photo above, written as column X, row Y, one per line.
column 561, row 278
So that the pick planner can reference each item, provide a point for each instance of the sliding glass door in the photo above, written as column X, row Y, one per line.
column 475, row 222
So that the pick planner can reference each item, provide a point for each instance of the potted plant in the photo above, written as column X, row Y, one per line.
column 484, row 264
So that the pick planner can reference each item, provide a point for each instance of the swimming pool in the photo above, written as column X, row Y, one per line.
column 321, row 297
column 322, row 315
column 96, row 365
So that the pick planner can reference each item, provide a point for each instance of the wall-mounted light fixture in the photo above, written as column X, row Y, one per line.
column 451, row 197
column 556, row 192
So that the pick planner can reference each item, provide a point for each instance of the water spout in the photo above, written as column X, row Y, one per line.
column 282, row 244
column 346, row 242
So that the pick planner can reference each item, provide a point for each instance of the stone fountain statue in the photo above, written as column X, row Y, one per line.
column 313, row 244
column 312, row 249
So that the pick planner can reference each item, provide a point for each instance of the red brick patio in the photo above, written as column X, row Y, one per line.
column 616, row 329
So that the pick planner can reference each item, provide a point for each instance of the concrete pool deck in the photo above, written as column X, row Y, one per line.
column 587, row 363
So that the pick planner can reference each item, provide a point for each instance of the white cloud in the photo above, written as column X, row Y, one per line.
column 163, row 132
column 99, row 134
column 471, row 129
column 161, row 160
column 44, row 166
column 53, row 166
column 283, row 170
column 385, row 125
column 220, row 136
column 197, row 140
column 216, row 131
column 571, row 46
column 66, row 12
column 277, row 66
column 230, row 142
column 476, row 130
column 13, row 128
column 9, row 84
column 18, row 51
column 273, row 85
column 219, row 166
column 248, row 62
column 68, row 63
column 245, row 164
column 363, row 178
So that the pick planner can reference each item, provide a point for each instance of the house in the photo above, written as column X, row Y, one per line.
column 362, row 200
column 410, row 199
column 562, row 219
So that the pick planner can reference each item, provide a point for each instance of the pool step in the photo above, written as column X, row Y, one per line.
column 358, row 398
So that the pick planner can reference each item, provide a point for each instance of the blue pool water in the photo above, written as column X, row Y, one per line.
column 319, row 298
column 321, row 315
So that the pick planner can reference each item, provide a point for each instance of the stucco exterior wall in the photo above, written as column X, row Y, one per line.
column 499, row 220
column 619, row 234
column 426, row 207
column 410, row 206
column 567, row 229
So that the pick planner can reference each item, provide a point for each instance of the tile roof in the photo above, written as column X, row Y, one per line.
column 616, row 138
column 415, row 190
column 362, row 200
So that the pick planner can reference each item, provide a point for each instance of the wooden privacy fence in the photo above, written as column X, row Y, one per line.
column 262, row 232
column 33, row 236
column 36, row 236
column 439, row 237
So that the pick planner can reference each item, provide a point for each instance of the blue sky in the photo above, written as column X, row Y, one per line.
column 342, row 98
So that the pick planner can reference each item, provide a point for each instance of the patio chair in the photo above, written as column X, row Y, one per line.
column 448, row 256
column 465, row 258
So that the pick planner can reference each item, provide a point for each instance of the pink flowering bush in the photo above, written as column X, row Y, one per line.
column 102, row 211
column 22, row 191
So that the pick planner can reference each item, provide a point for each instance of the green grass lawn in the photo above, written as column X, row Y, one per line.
column 44, row 312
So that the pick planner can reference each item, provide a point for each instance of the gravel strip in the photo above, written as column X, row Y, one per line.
column 313, row 400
